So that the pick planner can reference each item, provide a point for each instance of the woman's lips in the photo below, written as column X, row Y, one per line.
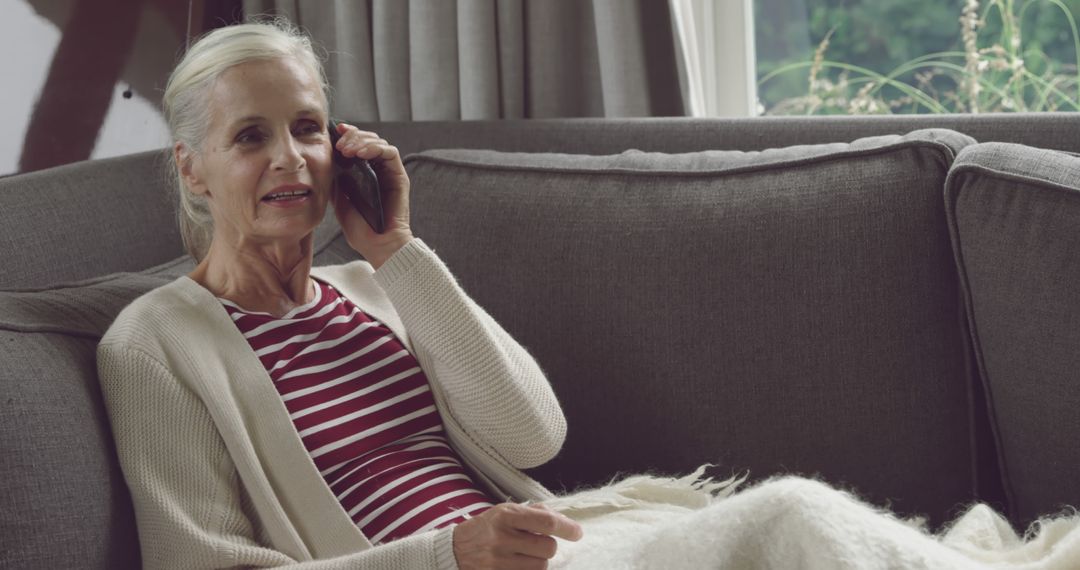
column 289, row 202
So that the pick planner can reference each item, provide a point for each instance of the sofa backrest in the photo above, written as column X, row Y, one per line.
column 792, row 310
column 86, row 219
column 97, row 217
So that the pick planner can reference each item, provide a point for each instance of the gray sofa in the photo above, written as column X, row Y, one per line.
column 886, row 303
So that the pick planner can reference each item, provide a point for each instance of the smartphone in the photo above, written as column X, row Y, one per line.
column 355, row 177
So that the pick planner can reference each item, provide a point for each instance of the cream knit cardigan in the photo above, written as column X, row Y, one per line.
column 217, row 473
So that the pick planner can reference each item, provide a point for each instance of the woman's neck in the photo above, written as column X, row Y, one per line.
column 272, row 280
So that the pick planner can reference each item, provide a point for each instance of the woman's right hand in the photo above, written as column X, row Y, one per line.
column 511, row 536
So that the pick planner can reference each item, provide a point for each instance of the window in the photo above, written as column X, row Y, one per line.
column 916, row 56
column 718, row 43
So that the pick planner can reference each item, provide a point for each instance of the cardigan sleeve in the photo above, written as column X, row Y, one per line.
column 186, row 492
column 494, row 389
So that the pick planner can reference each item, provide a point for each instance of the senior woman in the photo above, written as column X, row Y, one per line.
column 267, row 412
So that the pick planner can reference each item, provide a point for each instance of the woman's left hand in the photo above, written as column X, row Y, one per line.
column 394, row 187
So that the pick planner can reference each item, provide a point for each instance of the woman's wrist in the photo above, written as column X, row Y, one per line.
column 445, row 558
column 388, row 251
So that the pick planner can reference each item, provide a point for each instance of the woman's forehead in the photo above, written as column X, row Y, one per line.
column 264, row 90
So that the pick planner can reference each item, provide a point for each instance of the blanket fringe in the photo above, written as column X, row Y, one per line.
column 692, row 491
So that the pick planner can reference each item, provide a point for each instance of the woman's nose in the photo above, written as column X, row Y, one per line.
column 287, row 155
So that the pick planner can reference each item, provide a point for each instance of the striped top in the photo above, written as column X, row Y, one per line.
column 365, row 413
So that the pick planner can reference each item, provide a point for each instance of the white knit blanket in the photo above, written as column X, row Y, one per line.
column 651, row 523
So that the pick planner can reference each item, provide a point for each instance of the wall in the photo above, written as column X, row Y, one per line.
column 83, row 79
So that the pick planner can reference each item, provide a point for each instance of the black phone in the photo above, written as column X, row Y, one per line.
column 355, row 177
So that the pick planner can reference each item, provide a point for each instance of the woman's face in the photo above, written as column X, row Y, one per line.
column 267, row 134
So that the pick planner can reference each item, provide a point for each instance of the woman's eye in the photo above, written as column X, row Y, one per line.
column 310, row 127
column 249, row 137
column 254, row 136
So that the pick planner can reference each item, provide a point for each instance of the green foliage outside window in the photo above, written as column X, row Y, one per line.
column 920, row 56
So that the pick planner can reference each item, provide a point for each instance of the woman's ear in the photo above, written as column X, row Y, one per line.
column 186, row 165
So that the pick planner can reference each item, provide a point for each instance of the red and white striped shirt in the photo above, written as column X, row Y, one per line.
column 366, row 415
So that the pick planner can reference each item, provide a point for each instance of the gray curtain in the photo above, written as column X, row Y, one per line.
column 417, row 60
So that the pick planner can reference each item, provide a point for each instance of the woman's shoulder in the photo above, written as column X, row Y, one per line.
column 413, row 253
column 350, row 269
column 172, row 305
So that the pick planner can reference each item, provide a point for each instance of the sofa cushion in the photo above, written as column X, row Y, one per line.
column 1013, row 215
column 64, row 503
column 789, row 310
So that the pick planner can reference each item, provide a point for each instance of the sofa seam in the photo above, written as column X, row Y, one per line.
column 952, row 193
column 945, row 149
column 102, row 279
column 49, row 329
column 1011, row 176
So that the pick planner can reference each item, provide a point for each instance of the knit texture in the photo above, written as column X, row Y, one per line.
column 519, row 418
column 217, row 472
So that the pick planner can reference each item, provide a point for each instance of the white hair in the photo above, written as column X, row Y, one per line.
column 186, row 101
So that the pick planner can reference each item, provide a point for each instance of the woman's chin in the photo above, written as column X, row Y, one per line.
column 290, row 227
column 289, row 212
